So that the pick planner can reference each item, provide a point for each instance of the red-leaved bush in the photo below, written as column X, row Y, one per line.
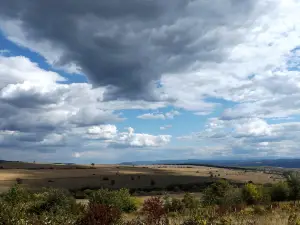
column 153, row 209
column 98, row 214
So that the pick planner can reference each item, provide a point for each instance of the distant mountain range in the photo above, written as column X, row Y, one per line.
column 284, row 163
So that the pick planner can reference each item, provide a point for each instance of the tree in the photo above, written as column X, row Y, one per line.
column 190, row 202
column 215, row 192
column 93, row 164
column 280, row 191
column 253, row 194
column 293, row 180
column 233, row 198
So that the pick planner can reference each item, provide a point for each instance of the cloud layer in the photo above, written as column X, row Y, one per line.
column 129, row 45
column 234, row 62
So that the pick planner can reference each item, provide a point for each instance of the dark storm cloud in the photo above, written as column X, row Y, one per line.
column 129, row 44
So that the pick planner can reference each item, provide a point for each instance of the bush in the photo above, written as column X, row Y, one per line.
column 280, row 191
column 190, row 202
column 120, row 199
column 173, row 205
column 16, row 195
column 53, row 201
column 154, row 211
column 293, row 180
column 50, row 206
column 98, row 214
column 232, row 198
column 254, row 194
column 216, row 192
column 87, row 192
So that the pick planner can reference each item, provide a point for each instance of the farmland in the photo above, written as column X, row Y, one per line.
column 35, row 176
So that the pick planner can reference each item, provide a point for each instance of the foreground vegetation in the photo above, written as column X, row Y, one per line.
column 222, row 203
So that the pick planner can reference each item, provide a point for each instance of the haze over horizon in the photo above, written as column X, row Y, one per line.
column 140, row 80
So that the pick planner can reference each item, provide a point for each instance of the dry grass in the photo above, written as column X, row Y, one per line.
column 67, row 176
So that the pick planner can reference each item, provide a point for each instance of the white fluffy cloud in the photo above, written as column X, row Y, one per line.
column 128, row 139
column 253, row 127
column 257, row 82
column 251, row 137
column 131, row 139
column 17, row 69
column 106, row 132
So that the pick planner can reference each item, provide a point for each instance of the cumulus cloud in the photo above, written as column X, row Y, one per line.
column 136, row 40
column 139, row 140
column 251, row 137
column 38, row 113
column 106, row 132
column 237, row 58
column 17, row 69
column 116, row 139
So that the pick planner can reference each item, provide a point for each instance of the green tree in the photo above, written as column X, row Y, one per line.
column 280, row 191
column 215, row 192
column 232, row 198
column 254, row 194
column 190, row 202
column 293, row 180
column 120, row 199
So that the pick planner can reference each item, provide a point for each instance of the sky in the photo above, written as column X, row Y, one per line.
column 114, row 81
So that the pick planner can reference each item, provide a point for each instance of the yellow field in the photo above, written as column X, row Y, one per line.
column 67, row 176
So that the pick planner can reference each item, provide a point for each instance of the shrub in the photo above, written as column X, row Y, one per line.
column 120, row 199
column 173, row 205
column 53, row 201
column 11, row 214
column 154, row 211
column 190, row 202
column 232, row 199
column 254, row 194
column 98, row 214
column 87, row 192
column 293, row 180
column 280, row 191
column 19, row 206
column 215, row 192
column 16, row 195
